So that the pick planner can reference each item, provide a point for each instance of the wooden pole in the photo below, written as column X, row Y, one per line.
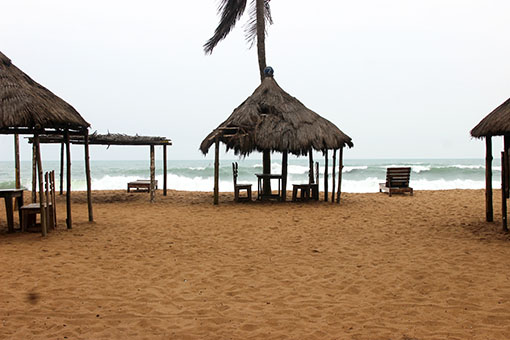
column 266, row 169
column 153, row 171
column 340, row 167
column 310, row 171
column 489, row 213
column 44, row 230
column 216, row 169
column 333, row 177
column 61, row 168
column 34, row 171
column 164, row 170
column 285, row 160
column 16, row 161
column 69, row 219
column 504, row 170
column 326, row 175
column 87, row 174
column 17, row 167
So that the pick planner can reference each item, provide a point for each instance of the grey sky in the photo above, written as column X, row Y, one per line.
column 403, row 78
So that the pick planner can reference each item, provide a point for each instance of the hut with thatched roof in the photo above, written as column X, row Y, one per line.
column 27, row 107
column 271, row 119
column 496, row 123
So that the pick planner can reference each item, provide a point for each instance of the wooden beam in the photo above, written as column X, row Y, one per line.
column 285, row 161
column 326, row 175
column 153, row 171
column 216, row 169
column 61, row 168
column 34, row 171
column 44, row 230
column 89, row 180
column 340, row 167
column 164, row 170
column 69, row 220
column 333, row 175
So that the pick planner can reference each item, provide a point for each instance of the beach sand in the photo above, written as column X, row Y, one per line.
column 373, row 267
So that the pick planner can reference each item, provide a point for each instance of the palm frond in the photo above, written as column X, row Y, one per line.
column 250, row 29
column 230, row 11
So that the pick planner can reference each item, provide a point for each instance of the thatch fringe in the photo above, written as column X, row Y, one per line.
column 496, row 123
column 271, row 119
column 26, row 104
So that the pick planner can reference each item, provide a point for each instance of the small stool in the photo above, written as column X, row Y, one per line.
column 305, row 192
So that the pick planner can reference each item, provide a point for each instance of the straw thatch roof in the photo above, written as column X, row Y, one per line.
column 496, row 123
column 25, row 104
column 271, row 119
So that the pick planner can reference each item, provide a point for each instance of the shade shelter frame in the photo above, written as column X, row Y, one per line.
column 271, row 120
column 118, row 139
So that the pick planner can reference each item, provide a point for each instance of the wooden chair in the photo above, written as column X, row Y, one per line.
column 397, row 181
column 308, row 191
column 239, row 187
column 29, row 212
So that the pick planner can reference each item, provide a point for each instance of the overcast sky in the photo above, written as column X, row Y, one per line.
column 403, row 78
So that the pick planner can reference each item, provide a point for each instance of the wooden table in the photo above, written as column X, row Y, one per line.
column 8, row 195
column 260, row 191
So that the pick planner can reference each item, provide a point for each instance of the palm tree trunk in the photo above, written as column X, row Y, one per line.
column 261, row 52
column 261, row 37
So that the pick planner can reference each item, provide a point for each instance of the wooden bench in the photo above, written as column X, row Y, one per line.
column 397, row 181
column 141, row 185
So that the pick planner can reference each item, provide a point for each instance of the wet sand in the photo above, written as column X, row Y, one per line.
column 373, row 267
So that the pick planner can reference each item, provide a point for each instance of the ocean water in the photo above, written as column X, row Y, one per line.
column 197, row 175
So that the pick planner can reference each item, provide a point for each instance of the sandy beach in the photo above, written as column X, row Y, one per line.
column 373, row 267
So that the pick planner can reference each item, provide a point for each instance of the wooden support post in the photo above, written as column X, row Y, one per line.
column 285, row 161
column 489, row 213
column 504, row 170
column 340, row 168
column 17, row 167
column 16, row 161
column 333, row 175
column 34, row 172
column 87, row 174
column 310, row 171
column 44, row 230
column 61, row 168
column 69, row 220
column 216, row 169
column 326, row 175
column 266, row 169
column 164, row 170
column 153, row 171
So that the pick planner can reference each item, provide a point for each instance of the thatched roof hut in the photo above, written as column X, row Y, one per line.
column 26, row 107
column 25, row 104
column 271, row 119
column 496, row 123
